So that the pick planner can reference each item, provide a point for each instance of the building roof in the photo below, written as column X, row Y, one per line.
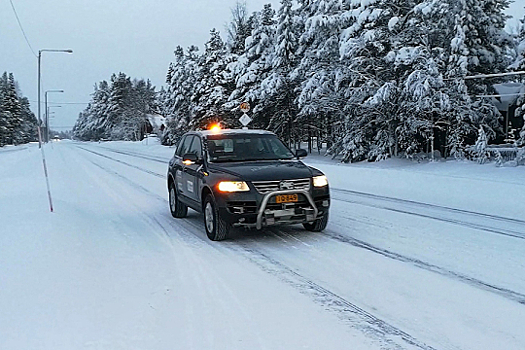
column 509, row 93
column 156, row 120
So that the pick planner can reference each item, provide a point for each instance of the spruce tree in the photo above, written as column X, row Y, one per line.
column 321, row 105
column 4, row 116
column 11, row 108
column 239, row 28
column 214, row 84
column 254, row 66
column 520, row 66
column 279, row 88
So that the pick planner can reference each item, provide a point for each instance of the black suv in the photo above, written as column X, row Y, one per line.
column 245, row 178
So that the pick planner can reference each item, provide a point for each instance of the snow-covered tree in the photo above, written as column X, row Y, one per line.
column 11, row 110
column 379, row 78
column 279, row 93
column 520, row 66
column 253, row 66
column 17, row 122
column 28, row 130
column 239, row 28
column 117, row 110
column 480, row 148
column 404, row 70
column 321, row 105
column 176, row 103
column 213, row 85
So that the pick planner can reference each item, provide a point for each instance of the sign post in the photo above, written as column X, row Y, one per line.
column 245, row 119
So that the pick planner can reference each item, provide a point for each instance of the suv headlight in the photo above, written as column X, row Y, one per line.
column 320, row 181
column 233, row 186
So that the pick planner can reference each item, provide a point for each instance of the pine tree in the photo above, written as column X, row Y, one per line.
column 17, row 122
column 520, row 66
column 320, row 103
column 28, row 130
column 480, row 148
column 254, row 65
column 213, row 84
column 118, row 110
column 4, row 115
column 279, row 88
column 177, row 104
column 404, row 70
column 11, row 107
column 239, row 29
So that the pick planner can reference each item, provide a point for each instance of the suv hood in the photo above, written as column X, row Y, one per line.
column 266, row 170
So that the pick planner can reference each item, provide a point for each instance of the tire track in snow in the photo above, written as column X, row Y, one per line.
column 137, row 155
column 418, row 205
column 400, row 200
column 377, row 329
column 125, row 163
column 510, row 233
column 389, row 336
column 206, row 290
column 504, row 292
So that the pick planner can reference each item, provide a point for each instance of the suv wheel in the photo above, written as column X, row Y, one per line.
column 216, row 228
column 177, row 208
column 318, row 225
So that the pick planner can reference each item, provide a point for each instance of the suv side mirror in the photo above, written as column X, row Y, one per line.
column 190, row 158
column 300, row 153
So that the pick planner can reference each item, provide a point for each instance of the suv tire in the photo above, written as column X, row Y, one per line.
column 318, row 225
column 216, row 228
column 177, row 208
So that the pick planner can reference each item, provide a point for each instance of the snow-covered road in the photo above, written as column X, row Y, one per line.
column 416, row 256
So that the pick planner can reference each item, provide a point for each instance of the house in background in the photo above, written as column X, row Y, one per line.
column 506, row 102
column 157, row 123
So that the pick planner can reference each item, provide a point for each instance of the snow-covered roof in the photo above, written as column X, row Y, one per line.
column 509, row 93
column 156, row 120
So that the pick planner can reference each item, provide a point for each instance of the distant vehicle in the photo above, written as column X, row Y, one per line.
column 56, row 138
column 245, row 178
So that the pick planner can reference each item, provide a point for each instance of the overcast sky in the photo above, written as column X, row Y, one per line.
column 136, row 37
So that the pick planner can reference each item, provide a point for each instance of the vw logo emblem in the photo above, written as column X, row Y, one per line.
column 286, row 185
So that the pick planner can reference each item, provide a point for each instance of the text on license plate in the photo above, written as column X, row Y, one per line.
column 286, row 198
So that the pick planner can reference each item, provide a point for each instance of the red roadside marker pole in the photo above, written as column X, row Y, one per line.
column 45, row 168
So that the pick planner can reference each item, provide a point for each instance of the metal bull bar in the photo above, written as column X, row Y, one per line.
column 267, row 197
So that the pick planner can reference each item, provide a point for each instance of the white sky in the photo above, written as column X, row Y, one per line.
column 136, row 37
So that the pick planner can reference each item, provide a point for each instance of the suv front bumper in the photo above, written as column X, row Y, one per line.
column 258, row 211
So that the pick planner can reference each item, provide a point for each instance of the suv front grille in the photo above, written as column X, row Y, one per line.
column 270, row 186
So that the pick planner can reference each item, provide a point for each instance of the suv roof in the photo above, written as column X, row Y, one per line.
column 206, row 133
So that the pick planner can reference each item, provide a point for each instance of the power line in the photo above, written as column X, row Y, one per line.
column 22, row 29
column 500, row 95
column 63, row 103
column 497, row 75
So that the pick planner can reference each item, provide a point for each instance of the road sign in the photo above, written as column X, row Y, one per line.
column 245, row 107
column 245, row 120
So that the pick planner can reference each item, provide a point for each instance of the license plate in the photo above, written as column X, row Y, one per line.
column 286, row 198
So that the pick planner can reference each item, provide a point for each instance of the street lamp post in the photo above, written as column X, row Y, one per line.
column 40, row 123
column 39, row 107
column 47, row 114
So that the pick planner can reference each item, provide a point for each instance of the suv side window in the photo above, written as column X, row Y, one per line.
column 196, row 147
column 184, row 146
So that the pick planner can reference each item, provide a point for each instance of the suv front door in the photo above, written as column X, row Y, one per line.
column 182, row 149
column 191, row 174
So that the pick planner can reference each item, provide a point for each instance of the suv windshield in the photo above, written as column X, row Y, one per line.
column 238, row 148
